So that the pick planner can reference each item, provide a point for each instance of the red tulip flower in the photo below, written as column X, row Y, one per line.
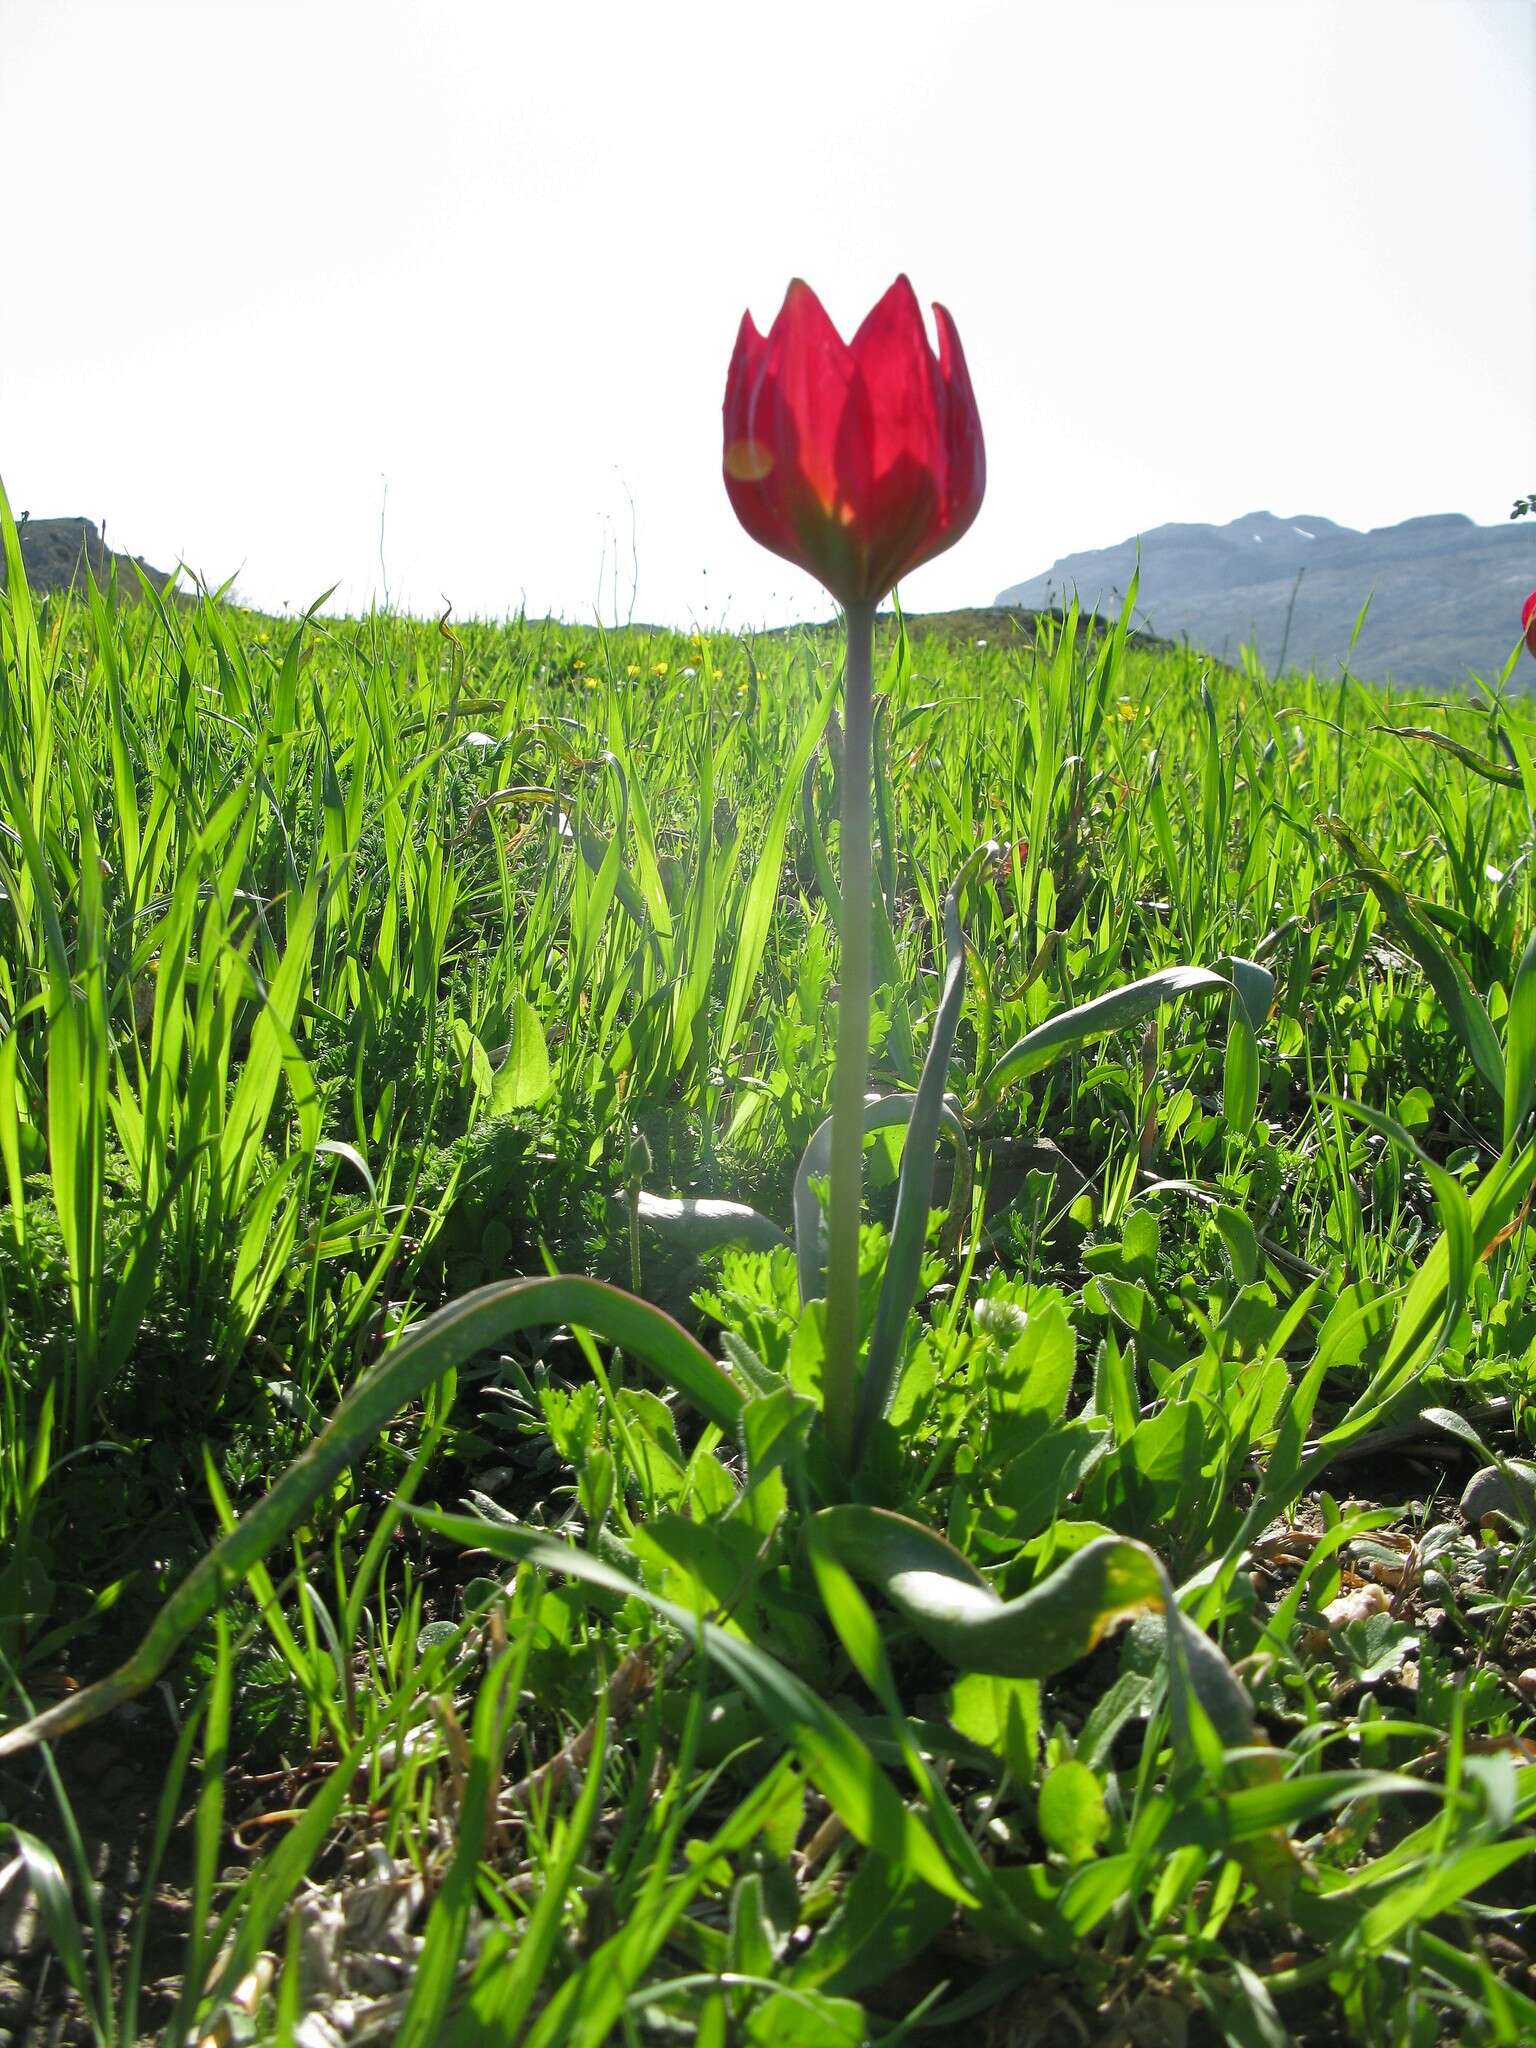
column 1528, row 621
column 856, row 461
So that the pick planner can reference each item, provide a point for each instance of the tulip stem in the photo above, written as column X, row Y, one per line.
column 846, row 1200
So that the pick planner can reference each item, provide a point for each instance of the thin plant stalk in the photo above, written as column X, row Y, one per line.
column 845, row 1206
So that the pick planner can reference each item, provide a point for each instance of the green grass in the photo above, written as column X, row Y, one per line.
column 555, row 1684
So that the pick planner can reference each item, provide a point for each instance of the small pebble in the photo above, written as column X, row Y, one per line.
column 1357, row 1605
column 1507, row 1497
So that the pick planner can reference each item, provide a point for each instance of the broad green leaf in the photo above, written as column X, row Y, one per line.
column 523, row 1078
column 882, row 1919
column 1000, row 1714
column 1028, row 1389
column 800, row 2019
column 1035, row 1485
column 1070, row 1812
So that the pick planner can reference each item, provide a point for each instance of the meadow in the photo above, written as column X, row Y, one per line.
column 430, row 1609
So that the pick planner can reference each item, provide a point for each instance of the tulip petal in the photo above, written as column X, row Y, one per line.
column 904, row 493
column 745, row 459
column 962, row 429
column 755, row 458
column 892, row 353
column 812, row 373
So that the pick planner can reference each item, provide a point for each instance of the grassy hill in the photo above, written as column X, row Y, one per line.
column 1152, row 1678
column 1002, row 626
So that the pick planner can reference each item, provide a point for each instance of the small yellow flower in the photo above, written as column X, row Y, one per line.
column 633, row 669
column 1127, row 711
column 261, row 639
column 593, row 683
column 577, row 662
column 658, row 668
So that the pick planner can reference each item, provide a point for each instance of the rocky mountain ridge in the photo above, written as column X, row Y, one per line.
column 54, row 553
column 1445, row 593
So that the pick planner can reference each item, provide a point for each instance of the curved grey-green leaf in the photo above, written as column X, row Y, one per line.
column 881, row 1113
column 1491, row 771
column 1255, row 986
column 914, row 1189
column 1464, row 1008
column 956, row 1612
column 1111, row 1012
column 443, row 1342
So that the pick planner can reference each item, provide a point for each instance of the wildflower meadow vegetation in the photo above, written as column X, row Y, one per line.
column 555, row 1489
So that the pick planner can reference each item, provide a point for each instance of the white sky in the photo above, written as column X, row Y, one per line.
column 264, row 258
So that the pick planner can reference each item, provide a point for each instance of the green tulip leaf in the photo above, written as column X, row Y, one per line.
column 914, row 1193
column 881, row 1113
column 951, row 1606
column 436, row 1347
column 1250, row 986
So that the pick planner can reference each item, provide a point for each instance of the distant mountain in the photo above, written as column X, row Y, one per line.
column 54, row 553
column 1445, row 593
